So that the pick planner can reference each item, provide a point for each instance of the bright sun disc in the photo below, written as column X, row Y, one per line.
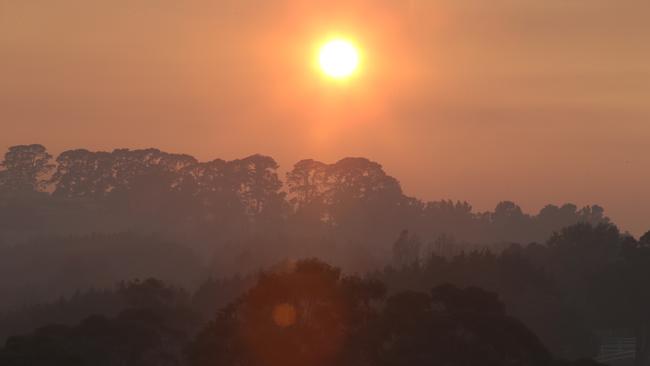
column 338, row 58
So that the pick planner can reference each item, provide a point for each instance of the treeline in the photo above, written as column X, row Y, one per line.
column 583, row 283
column 109, row 301
column 350, row 201
column 300, row 313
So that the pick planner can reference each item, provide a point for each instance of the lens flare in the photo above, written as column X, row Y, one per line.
column 284, row 315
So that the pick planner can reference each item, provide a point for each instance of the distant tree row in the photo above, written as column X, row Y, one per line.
column 352, row 200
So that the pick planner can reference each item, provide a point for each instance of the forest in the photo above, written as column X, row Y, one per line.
column 143, row 257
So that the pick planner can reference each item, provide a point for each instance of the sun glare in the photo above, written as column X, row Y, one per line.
column 338, row 58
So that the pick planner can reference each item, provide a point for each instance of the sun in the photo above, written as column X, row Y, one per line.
column 338, row 58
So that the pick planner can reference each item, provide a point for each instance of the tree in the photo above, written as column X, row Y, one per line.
column 81, row 173
column 307, row 313
column 304, row 314
column 453, row 326
column 579, row 251
column 152, row 293
column 138, row 337
column 446, row 217
column 617, row 294
column 25, row 167
column 529, row 293
column 406, row 250
column 306, row 183
column 353, row 198
column 256, row 181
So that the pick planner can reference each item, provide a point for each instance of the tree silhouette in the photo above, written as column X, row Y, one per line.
column 25, row 167
column 307, row 312
column 303, row 314
column 453, row 326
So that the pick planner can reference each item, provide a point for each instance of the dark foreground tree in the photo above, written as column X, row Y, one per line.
column 305, row 314
column 618, row 296
column 453, row 326
column 152, row 332
column 137, row 337
column 310, row 315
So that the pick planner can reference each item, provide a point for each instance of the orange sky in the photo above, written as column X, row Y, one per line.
column 533, row 101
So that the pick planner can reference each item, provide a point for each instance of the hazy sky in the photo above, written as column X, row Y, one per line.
column 535, row 101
